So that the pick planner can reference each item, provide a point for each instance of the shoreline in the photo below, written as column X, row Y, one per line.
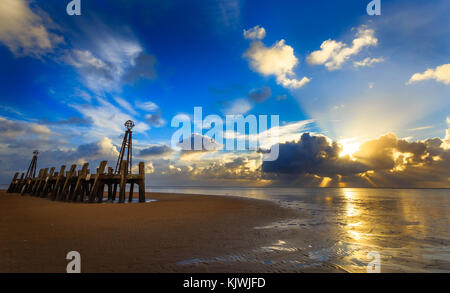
column 176, row 233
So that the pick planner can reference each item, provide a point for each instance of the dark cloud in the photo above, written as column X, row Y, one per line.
column 383, row 162
column 260, row 95
column 312, row 155
column 156, row 150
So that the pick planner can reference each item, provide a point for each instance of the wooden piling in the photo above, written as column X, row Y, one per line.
column 96, row 185
column 13, row 183
column 57, row 185
column 141, row 182
column 63, row 194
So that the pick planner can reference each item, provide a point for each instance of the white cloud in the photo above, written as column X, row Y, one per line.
column 440, row 74
column 334, row 54
column 255, row 33
column 368, row 62
column 278, row 60
column 237, row 107
column 105, row 66
column 107, row 119
column 147, row 106
column 124, row 104
column 23, row 31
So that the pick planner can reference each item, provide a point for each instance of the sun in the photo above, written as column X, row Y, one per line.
column 349, row 147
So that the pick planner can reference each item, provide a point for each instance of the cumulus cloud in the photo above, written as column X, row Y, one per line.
column 278, row 60
column 440, row 74
column 313, row 155
column 334, row 54
column 383, row 162
column 368, row 62
column 255, row 33
column 25, row 31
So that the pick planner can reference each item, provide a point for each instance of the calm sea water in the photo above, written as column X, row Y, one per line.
column 408, row 228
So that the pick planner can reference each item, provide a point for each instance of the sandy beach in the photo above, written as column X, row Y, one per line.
column 161, row 236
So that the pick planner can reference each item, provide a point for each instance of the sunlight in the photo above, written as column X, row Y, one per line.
column 349, row 147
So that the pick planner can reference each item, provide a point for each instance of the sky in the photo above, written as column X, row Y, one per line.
column 362, row 101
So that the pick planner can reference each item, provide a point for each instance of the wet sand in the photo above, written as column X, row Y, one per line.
column 176, row 233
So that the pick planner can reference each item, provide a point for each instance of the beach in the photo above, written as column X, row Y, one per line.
column 175, row 233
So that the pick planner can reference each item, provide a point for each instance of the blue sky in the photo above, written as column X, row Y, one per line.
column 71, row 81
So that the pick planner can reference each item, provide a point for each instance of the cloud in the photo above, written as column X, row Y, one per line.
column 383, row 162
column 255, row 33
column 367, row 62
column 237, row 107
column 148, row 106
column 126, row 105
column 313, row 155
column 278, row 60
column 440, row 74
column 197, row 143
column 260, row 95
column 334, row 54
column 107, row 119
column 24, row 31
column 157, row 150
column 155, row 119
column 111, row 61
column 13, row 129
column 70, row 121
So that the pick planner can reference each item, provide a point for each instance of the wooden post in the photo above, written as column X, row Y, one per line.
column 130, row 196
column 18, row 187
column 55, row 192
column 47, row 183
column 81, row 176
column 95, row 187
column 13, row 183
column 30, row 183
column 122, row 181
column 141, row 182
column 63, row 193
column 38, row 184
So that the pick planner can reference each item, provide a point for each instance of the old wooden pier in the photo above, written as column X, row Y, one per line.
column 80, row 185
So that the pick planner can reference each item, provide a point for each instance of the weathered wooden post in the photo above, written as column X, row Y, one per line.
column 110, row 174
column 43, row 191
column 123, row 182
column 18, row 187
column 141, row 182
column 40, row 183
column 64, row 192
column 95, row 187
column 57, row 186
column 30, row 183
column 81, row 177
column 13, row 183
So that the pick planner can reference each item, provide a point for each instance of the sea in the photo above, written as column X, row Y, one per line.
column 354, row 229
